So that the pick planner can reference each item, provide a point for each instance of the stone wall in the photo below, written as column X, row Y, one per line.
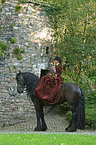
column 32, row 31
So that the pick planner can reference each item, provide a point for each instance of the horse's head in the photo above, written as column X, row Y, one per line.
column 20, row 82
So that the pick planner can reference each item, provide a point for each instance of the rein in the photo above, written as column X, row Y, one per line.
column 22, row 79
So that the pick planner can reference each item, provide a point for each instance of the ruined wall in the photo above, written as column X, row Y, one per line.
column 31, row 31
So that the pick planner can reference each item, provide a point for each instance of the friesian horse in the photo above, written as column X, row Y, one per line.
column 70, row 92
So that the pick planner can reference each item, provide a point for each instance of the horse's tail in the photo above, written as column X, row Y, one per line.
column 81, row 111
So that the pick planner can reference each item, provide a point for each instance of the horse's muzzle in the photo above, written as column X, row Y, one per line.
column 19, row 91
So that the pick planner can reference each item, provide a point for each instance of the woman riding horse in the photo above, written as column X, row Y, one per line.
column 49, row 88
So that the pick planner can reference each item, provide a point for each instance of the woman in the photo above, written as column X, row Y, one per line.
column 49, row 88
column 57, row 63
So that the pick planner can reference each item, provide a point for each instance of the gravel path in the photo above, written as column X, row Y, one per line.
column 55, row 120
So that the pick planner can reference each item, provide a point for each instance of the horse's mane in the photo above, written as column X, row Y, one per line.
column 31, row 81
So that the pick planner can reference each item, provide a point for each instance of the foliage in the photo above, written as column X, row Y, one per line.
column 3, row 48
column 0, row 43
column 1, row 54
column 3, row 1
column 18, row 8
column 13, row 40
column 19, row 57
column 88, row 86
column 17, row 52
column 91, row 116
column 67, row 78
column 22, row 51
column 46, row 139
column 74, row 32
column 11, row 26
column 74, row 38
column 23, row 1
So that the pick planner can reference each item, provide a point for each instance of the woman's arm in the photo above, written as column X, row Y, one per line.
column 58, row 70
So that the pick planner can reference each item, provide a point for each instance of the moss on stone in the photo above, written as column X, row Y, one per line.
column 18, row 8
column 13, row 40
column 19, row 57
column 3, row 1
column 3, row 46
column 17, row 52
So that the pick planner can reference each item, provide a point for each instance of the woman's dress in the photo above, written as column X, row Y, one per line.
column 49, row 88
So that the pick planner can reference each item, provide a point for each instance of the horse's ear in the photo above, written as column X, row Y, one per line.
column 19, row 72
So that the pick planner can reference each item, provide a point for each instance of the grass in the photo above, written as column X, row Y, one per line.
column 46, row 139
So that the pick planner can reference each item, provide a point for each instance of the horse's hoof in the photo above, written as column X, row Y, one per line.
column 44, row 129
column 38, row 129
column 70, row 129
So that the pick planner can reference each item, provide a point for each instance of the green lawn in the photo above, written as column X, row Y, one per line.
column 46, row 139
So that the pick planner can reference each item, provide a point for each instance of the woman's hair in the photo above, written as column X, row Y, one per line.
column 58, row 59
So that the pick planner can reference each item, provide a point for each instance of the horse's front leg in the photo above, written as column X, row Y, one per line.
column 44, row 126
column 39, row 126
column 38, row 114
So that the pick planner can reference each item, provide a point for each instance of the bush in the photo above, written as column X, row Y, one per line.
column 91, row 116
column 67, row 78
column 87, row 85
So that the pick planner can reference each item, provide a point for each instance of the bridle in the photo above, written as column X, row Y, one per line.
column 21, row 79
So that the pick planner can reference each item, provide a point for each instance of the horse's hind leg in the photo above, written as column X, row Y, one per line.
column 73, row 124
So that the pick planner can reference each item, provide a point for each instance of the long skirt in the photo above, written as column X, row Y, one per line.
column 48, row 90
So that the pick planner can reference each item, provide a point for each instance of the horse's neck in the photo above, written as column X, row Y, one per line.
column 25, row 77
column 30, row 80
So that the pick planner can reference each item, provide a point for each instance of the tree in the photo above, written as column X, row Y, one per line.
column 74, row 32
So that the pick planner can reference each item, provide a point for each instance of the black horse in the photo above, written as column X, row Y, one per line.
column 71, row 93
